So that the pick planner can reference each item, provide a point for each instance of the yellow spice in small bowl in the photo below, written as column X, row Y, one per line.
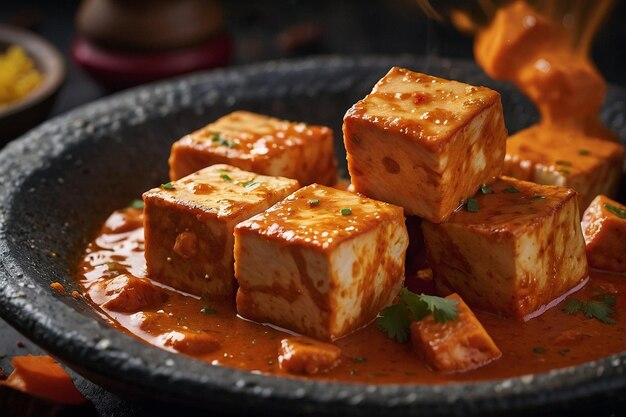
column 18, row 75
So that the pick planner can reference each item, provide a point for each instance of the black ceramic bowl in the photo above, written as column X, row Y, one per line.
column 60, row 181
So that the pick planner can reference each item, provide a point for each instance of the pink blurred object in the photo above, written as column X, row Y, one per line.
column 120, row 69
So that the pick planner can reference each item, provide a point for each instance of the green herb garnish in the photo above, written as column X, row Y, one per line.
column 538, row 197
column 314, row 203
column 538, row 350
column 510, row 190
column 207, row 310
column 600, row 308
column 484, row 188
column 619, row 212
column 225, row 177
column 564, row 171
column 215, row 137
column 136, row 204
column 249, row 184
column 395, row 320
column 584, row 152
column 471, row 205
column 359, row 360
column 346, row 211
column 167, row 186
column 564, row 163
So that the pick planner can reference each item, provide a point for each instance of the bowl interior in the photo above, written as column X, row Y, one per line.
column 63, row 179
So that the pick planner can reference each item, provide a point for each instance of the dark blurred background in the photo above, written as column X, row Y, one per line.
column 264, row 29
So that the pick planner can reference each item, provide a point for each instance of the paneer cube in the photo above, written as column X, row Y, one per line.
column 515, row 249
column 555, row 157
column 189, row 226
column 323, row 262
column 604, row 228
column 515, row 36
column 301, row 355
column 260, row 144
column 424, row 143
column 454, row 346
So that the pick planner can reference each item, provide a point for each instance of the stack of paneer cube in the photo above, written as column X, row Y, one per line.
column 316, row 260
column 437, row 148
column 323, row 262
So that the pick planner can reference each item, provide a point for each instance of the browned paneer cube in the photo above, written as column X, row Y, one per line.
column 514, row 249
column 261, row 144
column 322, row 262
column 301, row 355
column 556, row 157
column 189, row 225
column 424, row 143
column 454, row 346
column 604, row 227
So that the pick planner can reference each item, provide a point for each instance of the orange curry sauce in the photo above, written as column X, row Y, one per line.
column 549, row 341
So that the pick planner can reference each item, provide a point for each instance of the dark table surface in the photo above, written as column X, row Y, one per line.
column 350, row 27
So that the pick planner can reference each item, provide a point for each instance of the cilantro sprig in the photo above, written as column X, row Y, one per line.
column 395, row 320
column 600, row 308
column 619, row 212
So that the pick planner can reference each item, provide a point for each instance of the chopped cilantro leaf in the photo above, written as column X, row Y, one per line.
column 314, row 203
column 346, row 211
column 249, row 184
column 443, row 309
column 563, row 352
column 564, row 171
column 539, row 350
column 359, row 360
column 207, row 310
column 471, row 205
column 136, row 204
column 563, row 163
column 584, row 152
column 225, row 177
column 538, row 197
column 510, row 190
column 394, row 320
column 600, row 308
column 573, row 307
column 619, row 212
column 215, row 137
column 167, row 186
column 484, row 188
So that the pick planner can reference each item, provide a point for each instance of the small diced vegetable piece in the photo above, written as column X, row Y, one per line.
column 301, row 355
column 128, row 294
column 455, row 346
column 261, row 144
column 520, row 251
column 604, row 227
column 42, row 376
column 189, row 226
column 424, row 143
column 557, row 157
column 323, row 269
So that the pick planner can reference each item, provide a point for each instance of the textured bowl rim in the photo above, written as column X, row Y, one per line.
column 90, row 345
column 48, row 61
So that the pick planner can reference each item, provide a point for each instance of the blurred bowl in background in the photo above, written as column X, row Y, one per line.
column 16, row 118
column 115, row 69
